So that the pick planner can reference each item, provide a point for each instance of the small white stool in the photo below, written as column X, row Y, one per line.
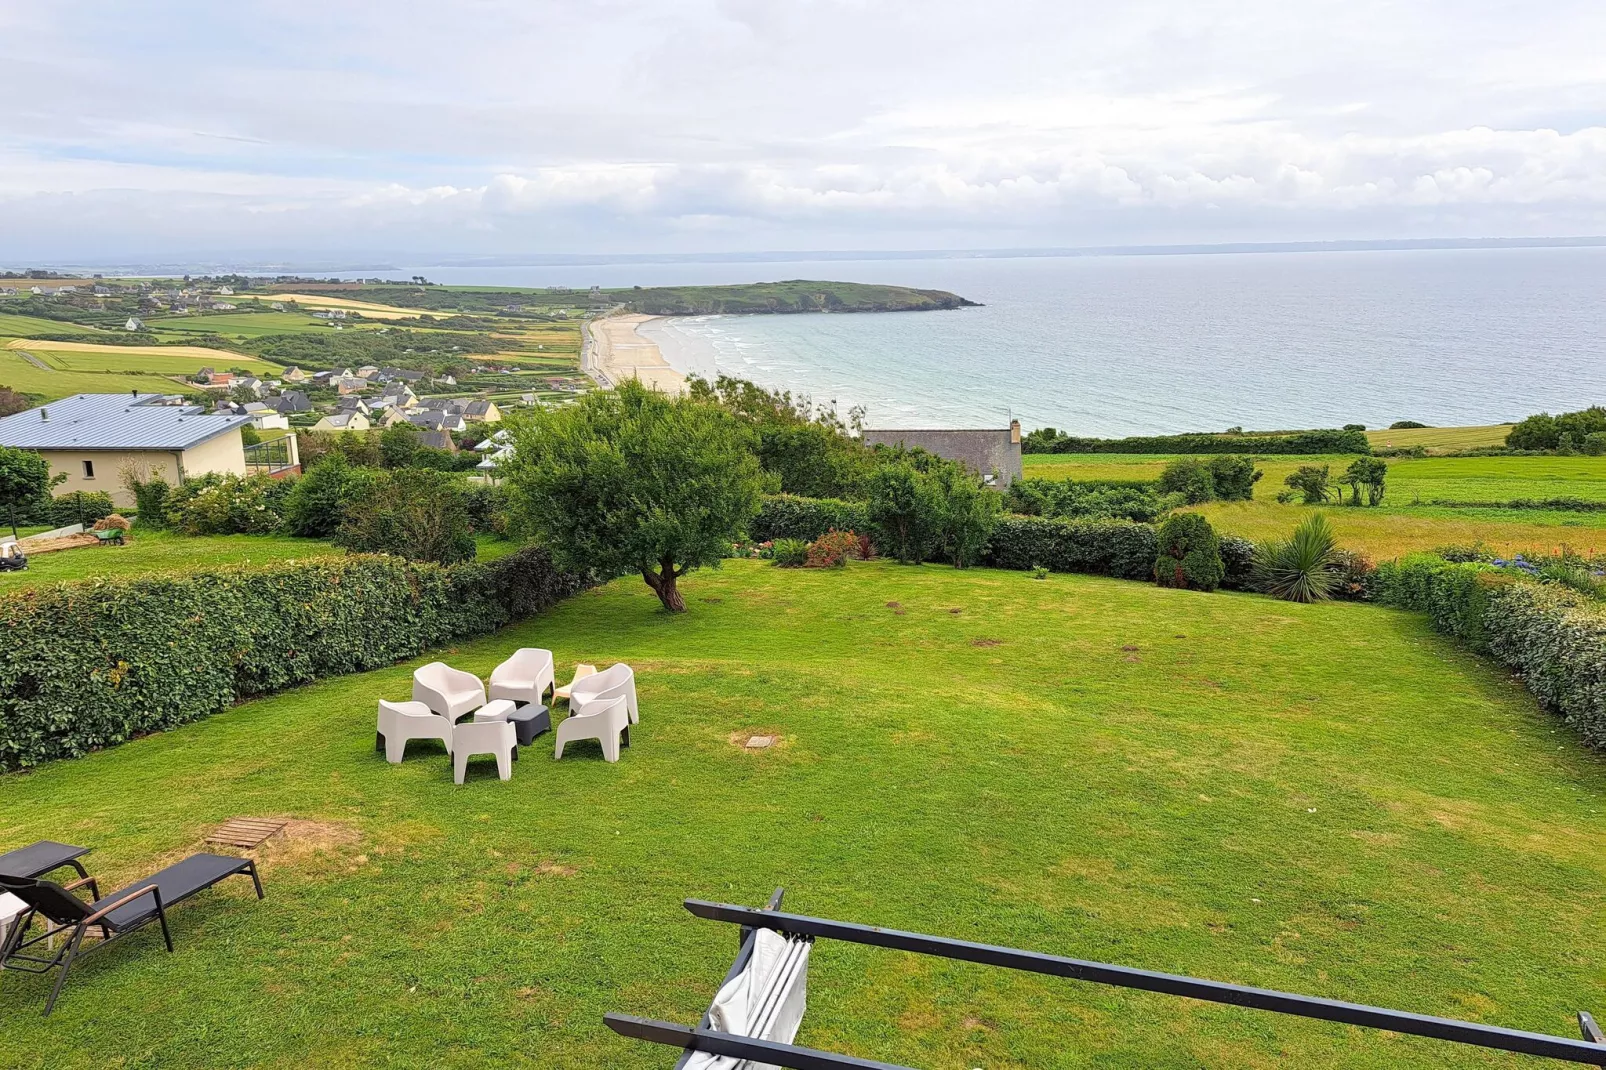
column 484, row 737
column 495, row 710
column 581, row 671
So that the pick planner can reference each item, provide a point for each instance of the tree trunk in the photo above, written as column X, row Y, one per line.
column 663, row 585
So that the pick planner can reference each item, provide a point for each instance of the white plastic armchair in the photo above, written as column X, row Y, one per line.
column 448, row 691
column 615, row 681
column 402, row 721
column 524, row 677
column 606, row 722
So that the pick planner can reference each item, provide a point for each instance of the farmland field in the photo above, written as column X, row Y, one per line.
column 1440, row 438
column 1330, row 799
column 243, row 324
column 51, row 383
column 1406, row 520
column 369, row 309
column 14, row 326
column 159, row 360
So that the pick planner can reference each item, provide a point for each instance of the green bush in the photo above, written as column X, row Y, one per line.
column 790, row 553
column 79, row 507
column 787, row 516
column 216, row 504
column 1454, row 594
column 416, row 513
column 904, row 512
column 91, row 664
column 1234, row 477
column 1116, row 548
column 1190, row 478
column 316, row 502
column 1570, row 430
column 1073, row 499
column 1237, row 562
column 151, row 497
column 1189, row 555
column 1406, row 425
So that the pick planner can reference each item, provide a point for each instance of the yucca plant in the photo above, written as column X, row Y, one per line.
column 1300, row 569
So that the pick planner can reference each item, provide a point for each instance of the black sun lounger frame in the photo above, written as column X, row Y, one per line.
column 64, row 913
column 1591, row 1050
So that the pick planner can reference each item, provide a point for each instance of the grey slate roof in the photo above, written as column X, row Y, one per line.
column 988, row 453
column 114, row 422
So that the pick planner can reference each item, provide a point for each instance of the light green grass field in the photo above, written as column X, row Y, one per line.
column 246, row 324
column 52, row 383
column 1328, row 799
column 1404, row 522
column 14, row 326
column 149, row 360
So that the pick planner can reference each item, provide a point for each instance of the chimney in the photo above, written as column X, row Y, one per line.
column 1014, row 432
column 44, row 414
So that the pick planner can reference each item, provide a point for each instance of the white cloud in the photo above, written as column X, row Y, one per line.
column 722, row 124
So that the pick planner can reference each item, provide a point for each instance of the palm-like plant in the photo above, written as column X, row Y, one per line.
column 1300, row 569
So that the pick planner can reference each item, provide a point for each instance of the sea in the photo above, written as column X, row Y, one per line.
column 1140, row 344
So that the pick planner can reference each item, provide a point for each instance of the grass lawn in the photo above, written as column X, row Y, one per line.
column 1404, row 522
column 160, row 551
column 1328, row 799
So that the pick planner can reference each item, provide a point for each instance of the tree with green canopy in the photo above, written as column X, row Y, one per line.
column 633, row 480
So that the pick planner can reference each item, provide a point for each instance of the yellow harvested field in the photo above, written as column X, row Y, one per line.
column 367, row 308
column 1440, row 438
column 200, row 352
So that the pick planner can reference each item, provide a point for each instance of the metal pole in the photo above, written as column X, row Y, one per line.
column 1451, row 1029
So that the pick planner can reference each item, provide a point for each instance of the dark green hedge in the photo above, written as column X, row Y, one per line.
column 1552, row 637
column 787, row 516
column 1326, row 441
column 96, row 663
column 1119, row 548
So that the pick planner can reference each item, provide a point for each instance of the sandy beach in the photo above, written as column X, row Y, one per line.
column 616, row 351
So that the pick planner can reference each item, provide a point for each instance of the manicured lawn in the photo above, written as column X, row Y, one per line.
column 160, row 551
column 1328, row 799
column 1405, row 521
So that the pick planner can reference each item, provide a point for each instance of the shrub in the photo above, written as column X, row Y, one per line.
column 1405, row 425
column 1234, row 477
column 415, row 513
column 487, row 508
column 1237, row 562
column 787, row 516
column 1072, row 499
column 790, row 553
column 904, row 512
column 1301, row 569
column 1594, row 444
column 966, row 514
column 91, row 664
column 151, row 497
column 79, row 507
column 832, row 549
column 316, row 502
column 216, row 504
column 1190, row 554
column 1191, row 478
column 1368, row 472
column 1353, row 573
column 1355, row 427
column 1310, row 481
column 1570, row 430
column 1116, row 548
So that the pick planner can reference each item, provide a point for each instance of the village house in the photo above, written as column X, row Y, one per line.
column 993, row 455
column 343, row 421
column 134, row 324
column 92, row 439
column 291, row 401
column 294, row 374
column 436, row 420
column 483, row 411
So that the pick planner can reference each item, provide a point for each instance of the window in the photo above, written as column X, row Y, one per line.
column 89, row 469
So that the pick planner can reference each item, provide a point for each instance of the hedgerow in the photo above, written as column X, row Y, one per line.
column 1323, row 441
column 1552, row 637
column 1118, row 548
column 787, row 516
column 92, row 664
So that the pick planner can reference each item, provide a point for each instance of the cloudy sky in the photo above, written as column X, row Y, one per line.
column 596, row 126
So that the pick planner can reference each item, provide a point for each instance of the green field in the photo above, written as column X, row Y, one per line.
column 1406, row 520
column 51, row 383
column 12, row 326
column 149, row 359
column 1328, row 799
column 246, row 324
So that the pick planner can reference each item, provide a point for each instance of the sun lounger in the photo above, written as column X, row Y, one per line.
column 113, row 916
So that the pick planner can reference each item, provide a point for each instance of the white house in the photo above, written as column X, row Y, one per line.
column 342, row 421
column 134, row 324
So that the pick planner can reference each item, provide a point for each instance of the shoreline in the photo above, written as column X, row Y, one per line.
column 615, row 350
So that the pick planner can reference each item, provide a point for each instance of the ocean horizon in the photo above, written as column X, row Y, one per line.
column 1121, row 345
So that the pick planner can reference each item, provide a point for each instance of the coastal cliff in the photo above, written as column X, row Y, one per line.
column 783, row 297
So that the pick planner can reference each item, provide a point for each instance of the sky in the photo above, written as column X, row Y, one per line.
column 149, row 129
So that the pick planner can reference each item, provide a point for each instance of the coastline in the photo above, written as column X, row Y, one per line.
column 615, row 350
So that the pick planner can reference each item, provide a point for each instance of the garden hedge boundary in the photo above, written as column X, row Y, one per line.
column 92, row 664
column 1552, row 637
column 1324, row 441
column 1124, row 549
column 788, row 516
